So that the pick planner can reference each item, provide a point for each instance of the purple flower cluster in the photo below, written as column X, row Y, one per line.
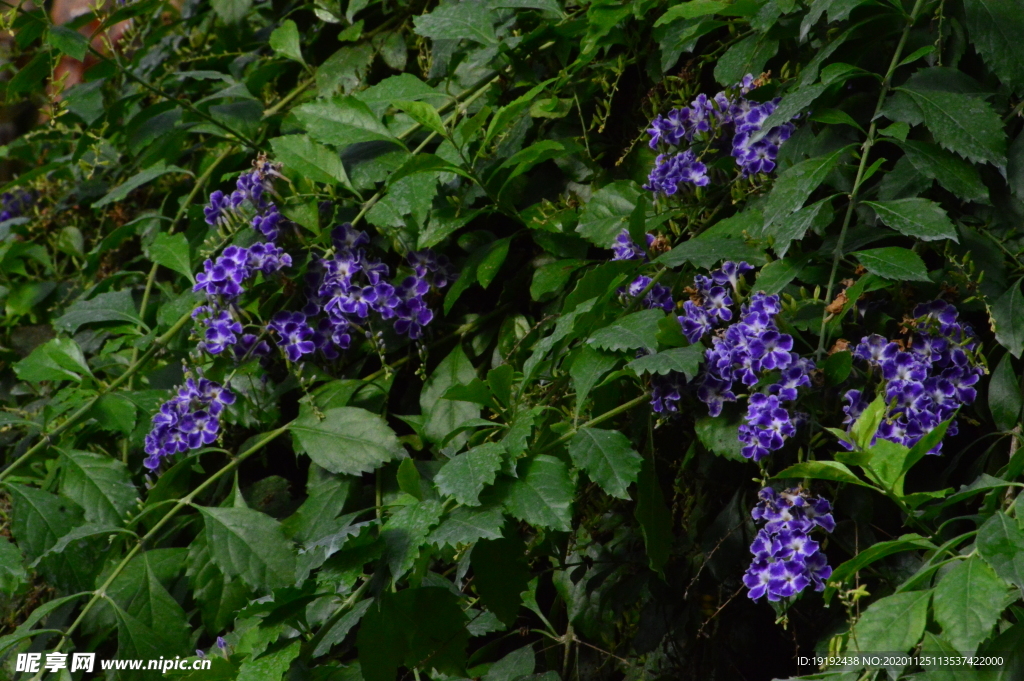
column 13, row 204
column 187, row 421
column 251, row 187
column 624, row 248
column 742, row 354
column 924, row 384
column 659, row 296
column 350, row 287
column 786, row 559
column 221, row 279
column 711, row 122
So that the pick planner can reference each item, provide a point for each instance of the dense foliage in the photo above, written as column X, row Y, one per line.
column 508, row 339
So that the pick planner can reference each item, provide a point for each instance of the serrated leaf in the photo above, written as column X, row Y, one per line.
column 460, row 21
column 465, row 475
column 683, row 360
column 919, row 218
column 963, row 124
column 1008, row 319
column 349, row 440
column 406, row 531
column 691, row 10
column 792, row 104
column 608, row 458
column 68, row 41
column 12, row 568
column 106, row 307
column 783, row 233
column 706, row 251
column 795, row 184
column 172, row 251
column 893, row 262
column 310, row 160
column 636, row 330
column 219, row 598
column 1004, row 395
column 968, row 601
column 952, row 172
column 58, row 359
column 442, row 416
column 466, row 525
column 40, row 519
column 542, row 495
column 747, row 56
column 1001, row 544
column 251, row 545
column 285, row 41
column 424, row 114
column 894, row 623
column 608, row 212
column 101, row 485
column 231, row 11
column 140, row 178
column 342, row 121
column 996, row 27
column 876, row 552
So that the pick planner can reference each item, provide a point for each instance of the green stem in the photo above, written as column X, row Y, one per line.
column 610, row 414
column 869, row 142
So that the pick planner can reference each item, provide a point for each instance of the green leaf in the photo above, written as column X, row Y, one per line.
column 963, row 124
column 285, row 41
column 952, row 172
column 747, row 56
column 542, row 495
column 12, row 568
column 1004, row 396
column 887, row 463
column 791, row 105
column 219, row 598
column 1001, row 544
column 269, row 666
column 894, row 623
column 406, row 531
column 654, row 516
column 349, row 440
column 783, row 233
column 140, row 178
column 101, row 485
column 58, row 359
column 491, row 261
column 919, row 218
column 821, row 470
column 550, row 279
column 608, row 458
column 1008, row 319
column 968, row 601
column 683, row 360
column 172, row 251
column 341, row 628
column 516, row 666
column 778, row 274
column 310, row 160
column 996, row 27
column 837, row 367
column 105, row 307
column 40, row 519
column 466, row 475
column 68, row 41
column 707, row 251
column 442, row 416
column 586, row 370
column 251, row 545
column 864, row 428
column 608, row 212
column 876, row 552
column 342, row 121
column 231, row 11
column 636, row 330
column 466, row 525
column 795, row 184
column 500, row 575
column 691, row 10
column 424, row 114
column 396, row 632
column 720, row 436
column 461, row 21
column 893, row 262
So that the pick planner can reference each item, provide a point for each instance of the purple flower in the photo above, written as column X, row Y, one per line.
column 218, row 210
column 293, row 334
column 186, row 421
